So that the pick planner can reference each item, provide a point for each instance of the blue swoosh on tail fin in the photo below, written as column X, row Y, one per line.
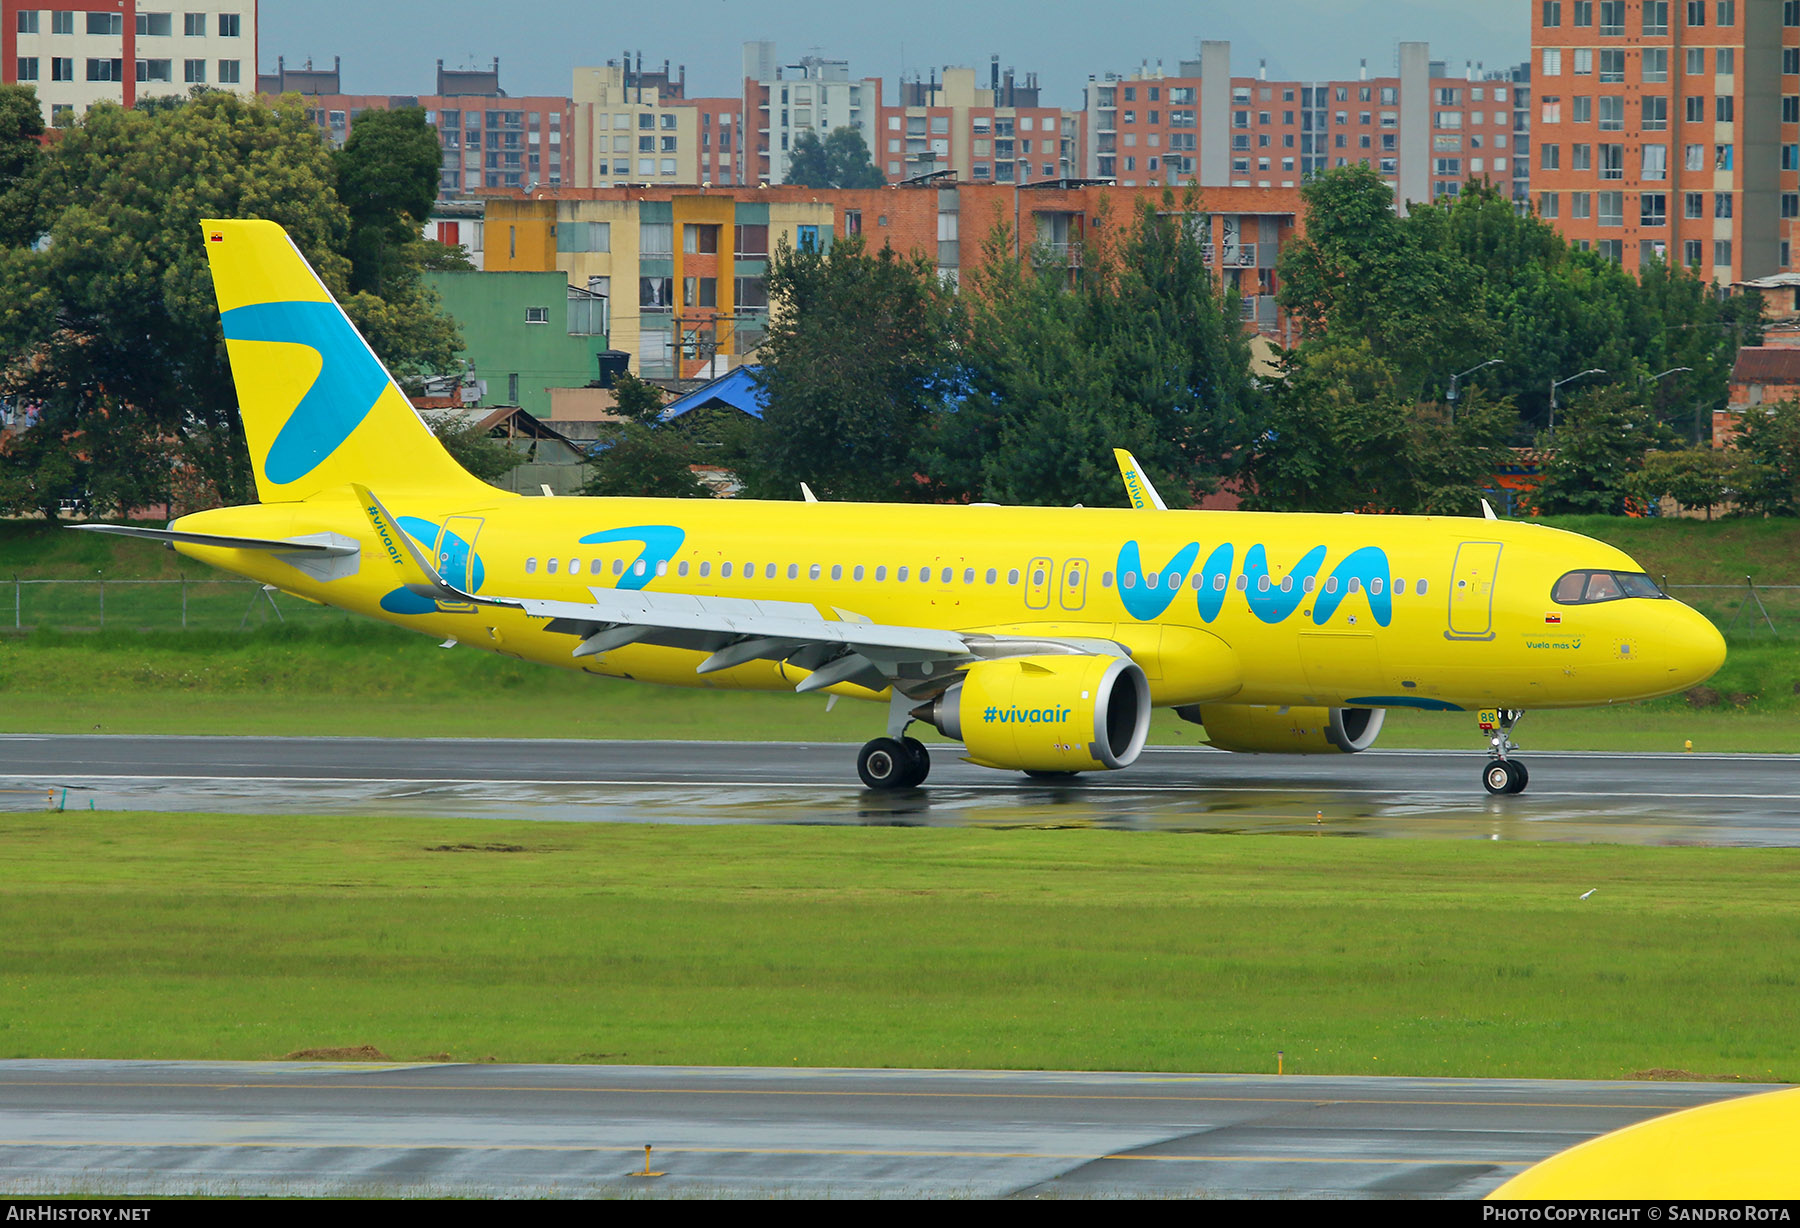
column 349, row 383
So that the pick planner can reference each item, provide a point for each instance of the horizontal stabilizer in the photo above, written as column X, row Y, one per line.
column 321, row 545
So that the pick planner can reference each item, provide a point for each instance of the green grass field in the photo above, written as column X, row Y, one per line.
column 133, row 935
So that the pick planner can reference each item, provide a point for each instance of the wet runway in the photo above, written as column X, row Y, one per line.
column 282, row 1128
column 1619, row 798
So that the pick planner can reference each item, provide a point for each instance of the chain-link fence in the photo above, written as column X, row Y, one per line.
column 153, row 605
column 1741, row 611
column 1747, row 610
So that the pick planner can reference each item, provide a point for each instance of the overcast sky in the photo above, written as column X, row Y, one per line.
column 392, row 46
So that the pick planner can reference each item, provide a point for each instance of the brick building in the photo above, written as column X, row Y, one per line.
column 1670, row 128
column 79, row 52
column 489, row 140
column 1426, row 132
column 996, row 134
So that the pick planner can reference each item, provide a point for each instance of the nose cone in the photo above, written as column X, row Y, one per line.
column 1695, row 650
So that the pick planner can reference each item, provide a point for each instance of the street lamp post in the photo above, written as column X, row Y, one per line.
column 1451, row 395
column 1558, row 383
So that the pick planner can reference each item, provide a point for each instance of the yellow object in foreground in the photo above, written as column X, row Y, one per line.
column 1742, row 1148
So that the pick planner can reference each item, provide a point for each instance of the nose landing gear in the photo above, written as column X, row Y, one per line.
column 1502, row 774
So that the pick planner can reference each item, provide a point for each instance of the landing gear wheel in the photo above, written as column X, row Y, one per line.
column 1503, row 776
column 920, row 760
column 1524, row 776
column 885, row 764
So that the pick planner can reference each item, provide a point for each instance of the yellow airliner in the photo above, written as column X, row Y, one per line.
column 1041, row 638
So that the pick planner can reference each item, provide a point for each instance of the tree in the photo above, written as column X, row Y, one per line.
column 841, row 160
column 643, row 456
column 1121, row 342
column 115, row 322
column 471, row 447
column 1363, row 272
column 1700, row 477
column 1469, row 278
column 1769, row 440
column 21, row 158
column 387, row 179
column 1599, row 444
column 860, row 351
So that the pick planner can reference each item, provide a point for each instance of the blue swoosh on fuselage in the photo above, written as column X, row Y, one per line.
column 661, row 541
column 349, row 382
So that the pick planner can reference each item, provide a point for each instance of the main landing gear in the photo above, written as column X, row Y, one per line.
column 1502, row 775
column 894, row 763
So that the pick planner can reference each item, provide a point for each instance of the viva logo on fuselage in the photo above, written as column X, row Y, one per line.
column 1148, row 593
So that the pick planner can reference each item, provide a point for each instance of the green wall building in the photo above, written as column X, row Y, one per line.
column 525, row 333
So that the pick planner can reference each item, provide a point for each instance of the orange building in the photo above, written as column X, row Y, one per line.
column 1670, row 128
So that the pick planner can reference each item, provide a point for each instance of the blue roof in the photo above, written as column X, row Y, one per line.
column 736, row 388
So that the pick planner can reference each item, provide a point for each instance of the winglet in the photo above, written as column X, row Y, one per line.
column 417, row 575
column 1137, row 486
column 1487, row 511
column 807, row 494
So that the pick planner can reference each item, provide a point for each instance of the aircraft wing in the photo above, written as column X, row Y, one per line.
column 735, row 631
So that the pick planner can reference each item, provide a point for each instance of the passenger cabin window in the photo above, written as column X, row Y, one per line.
column 550, row 566
column 1592, row 587
column 530, row 566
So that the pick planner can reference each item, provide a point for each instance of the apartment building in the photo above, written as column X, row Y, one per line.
column 781, row 101
column 994, row 134
column 79, row 52
column 1670, row 128
column 489, row 140
column 685, row 271
column 1425, row 131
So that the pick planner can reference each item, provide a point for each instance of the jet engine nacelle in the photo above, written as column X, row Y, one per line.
column 1048, row 713
column 1288, row 731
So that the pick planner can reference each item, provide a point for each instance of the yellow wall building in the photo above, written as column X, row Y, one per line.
column 685, row 271
column 626, row 134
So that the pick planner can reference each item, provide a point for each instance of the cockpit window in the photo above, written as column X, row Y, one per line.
column 1589, row 587
column 1602, row 587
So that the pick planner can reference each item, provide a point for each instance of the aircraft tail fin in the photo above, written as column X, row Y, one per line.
column 319, row 409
